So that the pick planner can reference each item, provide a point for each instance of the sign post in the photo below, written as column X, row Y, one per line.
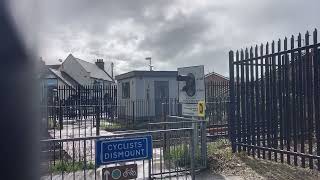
column 192, row 97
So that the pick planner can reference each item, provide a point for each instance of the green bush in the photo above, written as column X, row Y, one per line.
column 67, row 166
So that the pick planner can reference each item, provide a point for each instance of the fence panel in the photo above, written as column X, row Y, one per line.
column 274, row 101
column 217, row 108
column 82, row 111
column 176, row 153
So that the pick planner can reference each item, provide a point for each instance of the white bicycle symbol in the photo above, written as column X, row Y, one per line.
column 130, row 172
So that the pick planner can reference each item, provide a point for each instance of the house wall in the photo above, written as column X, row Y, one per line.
column 76, row 71
column 139, row 86
column 145, row 83
column 132, row 82
column 101, row 82
column 125, row 104
column 150, row 82
column 64, row 94
column 59, row 85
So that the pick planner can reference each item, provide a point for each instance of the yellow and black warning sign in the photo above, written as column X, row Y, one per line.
column 201, row 108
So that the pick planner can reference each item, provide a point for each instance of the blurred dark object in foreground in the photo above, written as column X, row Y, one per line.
column 19, row 144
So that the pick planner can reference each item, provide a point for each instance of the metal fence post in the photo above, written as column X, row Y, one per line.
column 97, row 121
column 164, row 113
column 193, row 145
column 204, row 142
column 60, row 116
column 133, row 113
column 232, row 102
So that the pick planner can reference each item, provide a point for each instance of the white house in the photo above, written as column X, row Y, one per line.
column 73, row 73
column 146, row 91
column 86, row 73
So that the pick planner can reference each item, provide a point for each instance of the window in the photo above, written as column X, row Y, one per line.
column 52, row 85
column 125, row 90
column 52, row 82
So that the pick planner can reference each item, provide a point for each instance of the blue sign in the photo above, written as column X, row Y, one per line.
column 124, row 149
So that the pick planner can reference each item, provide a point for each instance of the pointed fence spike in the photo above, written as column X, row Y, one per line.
column 315, row 38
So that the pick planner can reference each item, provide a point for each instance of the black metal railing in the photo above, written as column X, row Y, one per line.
column 217, row 108
column 91, row 110
column 274, row 101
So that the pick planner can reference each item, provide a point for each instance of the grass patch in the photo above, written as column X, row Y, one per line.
column 179, row 156
column 220, row 148
column 122, row 125
column 220, row 156
column 67, row 166
column 111, row 126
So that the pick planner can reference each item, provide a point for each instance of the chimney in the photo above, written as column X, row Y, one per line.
column 100, row 63
column 112, row 65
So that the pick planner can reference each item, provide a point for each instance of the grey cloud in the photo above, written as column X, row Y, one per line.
column 176, row 36
column 175, row 33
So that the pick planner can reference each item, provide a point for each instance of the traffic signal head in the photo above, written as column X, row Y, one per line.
column 190, row 87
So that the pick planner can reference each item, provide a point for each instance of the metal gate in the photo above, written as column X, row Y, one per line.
column 75, row 118
column 179, row 149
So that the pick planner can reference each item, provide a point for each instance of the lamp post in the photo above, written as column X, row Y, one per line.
column 149, row 59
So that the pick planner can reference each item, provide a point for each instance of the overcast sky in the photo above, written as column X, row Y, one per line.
column 174, row 33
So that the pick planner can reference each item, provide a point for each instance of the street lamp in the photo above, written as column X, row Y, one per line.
column 149, row 59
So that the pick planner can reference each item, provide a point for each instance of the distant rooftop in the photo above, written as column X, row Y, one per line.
column 64, row 77
column 147, row 74
column 54, row 66
column 93, row 69
column 216, row 76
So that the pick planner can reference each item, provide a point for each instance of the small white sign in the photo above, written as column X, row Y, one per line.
column 190, row 109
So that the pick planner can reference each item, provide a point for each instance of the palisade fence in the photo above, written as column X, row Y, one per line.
column 274, row 98
column 91, row 110
column 217, row 108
